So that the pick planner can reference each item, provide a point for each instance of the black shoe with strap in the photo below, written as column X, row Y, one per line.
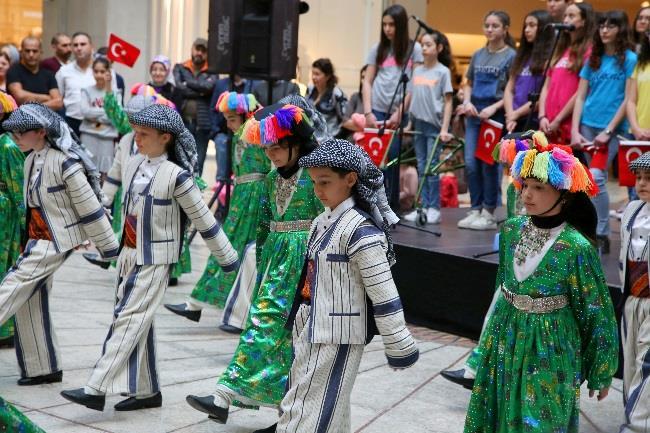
column 181, row 310
column 270, row 429
column 94, row 402
column 134, row 403
column 458, row 377
column 96, row 260
column 7, row 342
column 230, row 329
column 206, row 405
column 55, row 377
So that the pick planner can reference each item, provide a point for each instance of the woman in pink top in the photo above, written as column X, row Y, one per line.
column 558, row 94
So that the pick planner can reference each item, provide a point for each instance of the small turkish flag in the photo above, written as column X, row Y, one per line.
column 488, row 137
column 376, row 146
column 628, row 151
column 121, row 51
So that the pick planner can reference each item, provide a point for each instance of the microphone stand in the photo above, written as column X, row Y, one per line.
column 533, row 98
column 401, row 86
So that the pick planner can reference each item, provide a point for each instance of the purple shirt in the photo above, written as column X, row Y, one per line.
column 525, row 84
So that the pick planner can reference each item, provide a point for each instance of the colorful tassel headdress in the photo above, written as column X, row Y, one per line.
column 240, row 103
column 554, row 166
column 275, row 122
column 506, row 150
column 143, row 89
column 7, row 103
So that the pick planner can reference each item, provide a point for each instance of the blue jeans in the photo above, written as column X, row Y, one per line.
column 391, row 175
column 202, row 137
column 221, row 142
column 601, row 200
column 423, row 144
column 482, row 178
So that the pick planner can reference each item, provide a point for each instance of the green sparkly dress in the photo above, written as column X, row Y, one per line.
column 12, row 421
column 250, row 166
column 532, row 365
column 260, row 365
column 120, row 120
column 12, row 212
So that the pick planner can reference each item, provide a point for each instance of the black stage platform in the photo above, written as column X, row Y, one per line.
column 444, row 288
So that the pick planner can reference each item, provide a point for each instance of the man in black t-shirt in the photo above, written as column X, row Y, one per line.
column 27, row 82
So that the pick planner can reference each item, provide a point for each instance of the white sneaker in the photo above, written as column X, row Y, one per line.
column 433, row 216
column 486, row 221
column 466, row 222
column 411, row 216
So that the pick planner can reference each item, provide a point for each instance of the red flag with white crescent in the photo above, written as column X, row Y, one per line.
column 628, row 151
column 488, row 137
column 376, row 146
column 121, row 51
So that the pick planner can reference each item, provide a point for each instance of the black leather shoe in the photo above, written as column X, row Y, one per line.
column 270, row 429
column 95, row 402
column 173, row 281
column 96, row 260
column 55, row 377
column 230, row 329
column 181, row 310
column 457, row 376
column 206, row 405
column 7, row 342
column 133, row 403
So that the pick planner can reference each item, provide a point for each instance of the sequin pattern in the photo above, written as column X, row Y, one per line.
column 531, row 365
column 241, row 224
column 261, row 363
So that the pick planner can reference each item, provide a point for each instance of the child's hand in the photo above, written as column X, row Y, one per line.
column 446, row 137
column 511, row 125
column 486, row 113
column 108, row 82
column 602, row 393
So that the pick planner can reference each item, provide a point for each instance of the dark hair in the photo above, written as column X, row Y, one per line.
column 55, row 38
column 580, row 212
column 363, row 69
column 444, row 56
column 644, row 51
column 504, row 19
column 75, row 34
column 538, row 51
column 102, row 51
column 581, row 44
column 326, row 67
column 31, row 38
column 638, row 37
column 622, row 43
column 103, row 60
column 401, row 40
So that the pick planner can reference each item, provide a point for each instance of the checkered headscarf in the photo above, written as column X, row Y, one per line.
column 369, row 189
column 318, row 121
column 34, row 115
column 641, row 163
column 166, row 119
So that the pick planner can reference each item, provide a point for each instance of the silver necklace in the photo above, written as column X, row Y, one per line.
column 284, row 191
column 531, row 242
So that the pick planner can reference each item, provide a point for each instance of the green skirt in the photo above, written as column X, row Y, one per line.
column 12, row 420
column 214, row 285
column 259, row 368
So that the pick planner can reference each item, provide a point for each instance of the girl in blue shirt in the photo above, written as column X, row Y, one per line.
column 599, row 112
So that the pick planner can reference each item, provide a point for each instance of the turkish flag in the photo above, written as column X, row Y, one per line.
column 121, row 51
column 376, row 146
column 488, row 137
column 628, row 151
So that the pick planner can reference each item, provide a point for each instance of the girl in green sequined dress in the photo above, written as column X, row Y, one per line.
column 554, row 326
column 12, row 215
column 258, row 371
column 250, row 167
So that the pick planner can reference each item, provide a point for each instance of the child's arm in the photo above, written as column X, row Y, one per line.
column 90, row 211
column 264, row 220
column 445, row 136
column 190, row 199
column 594, row 313
column 579, row 98
column 114, row 176
column 116, row 113
column 368, row 251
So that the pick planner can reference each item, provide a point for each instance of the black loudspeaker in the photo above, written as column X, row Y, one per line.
column 254, row 38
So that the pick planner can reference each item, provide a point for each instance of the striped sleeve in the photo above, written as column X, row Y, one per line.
column 90, row 212
column 367, row 249
column 190, row 199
